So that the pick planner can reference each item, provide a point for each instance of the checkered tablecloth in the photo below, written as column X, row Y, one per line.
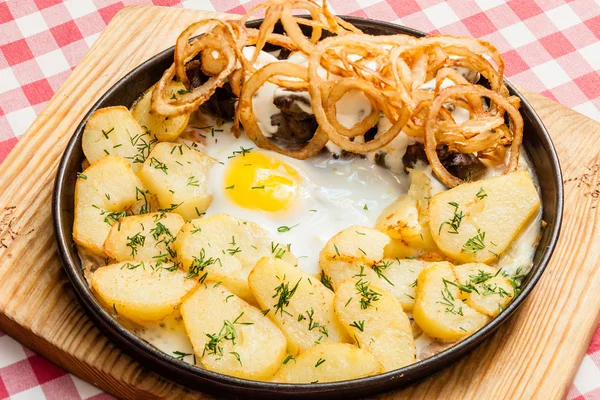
column 550, row 47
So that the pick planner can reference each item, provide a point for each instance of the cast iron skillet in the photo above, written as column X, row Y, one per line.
column 537, row 144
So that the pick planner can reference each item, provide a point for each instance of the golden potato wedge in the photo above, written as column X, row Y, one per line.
column 141, row 291
column 396, row 276
column 377, row 323
column 166, row 129
column 230, row 336
column 103, row 193
column 355, row 243
column 328, row 362
column 438, row 309
column 490, row 292
column 222, row 248
column 399, row 278
column 297, row 302
column 144, row 237
column 339, row 271
column 350, row 252
column 177, row 175
column 398, row 249
column 113, row 130
column 420, row 190
column 400, row 220
column 475, row 222
column 406, row 219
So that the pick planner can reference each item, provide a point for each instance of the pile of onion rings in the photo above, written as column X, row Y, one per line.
column 389, row 70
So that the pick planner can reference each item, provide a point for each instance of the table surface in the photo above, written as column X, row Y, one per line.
column 551, row 47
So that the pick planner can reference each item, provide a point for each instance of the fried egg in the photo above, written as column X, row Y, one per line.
column 300, row 202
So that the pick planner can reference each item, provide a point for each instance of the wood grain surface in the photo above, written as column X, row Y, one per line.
column 535, row 355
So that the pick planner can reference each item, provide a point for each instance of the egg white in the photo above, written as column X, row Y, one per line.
column 333, row 195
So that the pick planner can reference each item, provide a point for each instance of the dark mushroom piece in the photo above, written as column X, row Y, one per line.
column 464, row 166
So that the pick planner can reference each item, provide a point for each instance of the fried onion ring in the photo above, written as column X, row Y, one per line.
column 432, row 126
column 190, row 101
column 248, row 119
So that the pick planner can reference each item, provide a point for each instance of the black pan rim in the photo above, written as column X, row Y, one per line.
column 376, row 383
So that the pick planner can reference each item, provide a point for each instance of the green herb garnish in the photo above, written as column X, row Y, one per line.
column 367, row 295
column 360, row 325
column 475, row 244
column 135, row 241
column 454, row 223
column 284, row 294
column 285, row 228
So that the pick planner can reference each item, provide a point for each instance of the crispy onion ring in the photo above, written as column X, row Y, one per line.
column 183, row 46
column 188, row 102
column 212, row 65
column 375, row 96
column 338, row 91
column 453, row 75
column 274, row 39
column 477, row 46
column 480, row 142
column 431, row 127
column 293, row 29
column 248, row 119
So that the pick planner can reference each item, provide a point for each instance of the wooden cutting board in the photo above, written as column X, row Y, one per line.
column 535, row 355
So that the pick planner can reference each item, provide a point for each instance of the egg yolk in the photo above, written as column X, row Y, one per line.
column 257, row 181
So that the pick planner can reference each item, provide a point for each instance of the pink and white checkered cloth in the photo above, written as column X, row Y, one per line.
column 550, row 47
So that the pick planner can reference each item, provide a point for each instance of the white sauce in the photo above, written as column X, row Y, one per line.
column 262, row 102
column 517, row 259
column 459, row 114
column 298, row 58
column 333, row 148
column 352, row 108
column 430, row 85
column 169, row 336
column 395, row 149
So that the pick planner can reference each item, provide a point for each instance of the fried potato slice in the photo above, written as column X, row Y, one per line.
column 297, row 302
column 177, row 175
column 230, row 336
column 355, row 243
column 141, row 291
column 144, row 237
column 166, row 129
column 399, row 278
column 101, row 200
column 377, row 323
column 489, row 292
column 406, row 219
column 350, row 253
column 438, row 308
column 223, row 248
column 328, row 362
column 398, row 249
column 475, row 222
column 114, row 131
column 400, row 220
